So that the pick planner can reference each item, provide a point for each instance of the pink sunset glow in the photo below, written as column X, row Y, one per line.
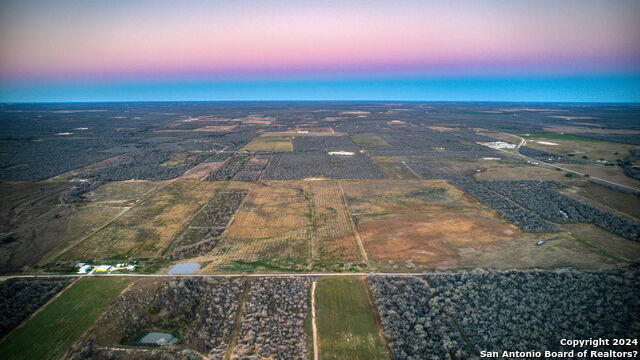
column 144, row 39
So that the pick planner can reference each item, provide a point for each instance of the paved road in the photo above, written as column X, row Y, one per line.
column 523, row 142
column 2, row 278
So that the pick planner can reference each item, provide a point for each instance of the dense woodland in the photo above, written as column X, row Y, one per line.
column 457, row 316
column 273, row 320
column 20, row 298
column 199, row 312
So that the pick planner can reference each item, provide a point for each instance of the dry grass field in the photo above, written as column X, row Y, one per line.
column 332, row 237
column 147, row 228
column 432, row 225
column 393, row 168
column 604, row 241
column 522, row 172
column 271, row 226
column 602, row 196
column 269, row 143
column 201, row 171
column 122, row 192
column 592, row 149
column 611, row 173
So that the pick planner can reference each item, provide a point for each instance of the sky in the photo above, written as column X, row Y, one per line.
column 494, row 50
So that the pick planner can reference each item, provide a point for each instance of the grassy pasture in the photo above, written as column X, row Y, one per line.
column 579, row 147
column 148, row 228
column 50, row 333
column 269, row 229
column 347, row 326
column 332, row 234
column 269, row 143
column 396, row 170
column 431, row 225
column 368, row 141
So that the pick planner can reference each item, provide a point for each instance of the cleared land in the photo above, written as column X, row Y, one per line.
column 269, row 143
column 581, row 148
column 393, row 168
column 50, row 333
column 122, row 192
column 201, row 171
column 433, row 225
column 148, row 228
column 269, row 228
column 347, row 326
column 332, row 235
column 370, row 141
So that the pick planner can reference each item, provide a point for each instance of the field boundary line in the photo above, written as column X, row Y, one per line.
column 237, row 322
column 186, row 226
column 274, row 275
column 376, row 316
column 314, row 326
column 126, row 210
column 354, row 228
column 590, row 178
column 413, row 171
column 38, row 310
column 313, row 243
column 470, row 345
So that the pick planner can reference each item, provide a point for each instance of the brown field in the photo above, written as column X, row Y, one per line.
column 124, row 193
column 271, row 225
column 333, row 237
column 312, row 132
column 269, row 143
column 148, row 227
column 200, row 171
column 380, row 197
column 606, row 241
column 607, row 198
column 211, row 128
column 524, row 172
column 39, row 240
column 256, row 119
column 412, row 224
column 582, row 129
column 593, row 150
column 396, row 170
column 611, row 173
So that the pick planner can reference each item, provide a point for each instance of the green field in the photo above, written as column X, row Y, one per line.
column 347, row 327
column 50, row 333
column 370, row 141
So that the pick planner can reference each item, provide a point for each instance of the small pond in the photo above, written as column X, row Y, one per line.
column 184, row 268
column 158, row 337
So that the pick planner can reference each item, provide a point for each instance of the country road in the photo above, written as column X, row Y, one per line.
column 524, row 142
column 382, row 274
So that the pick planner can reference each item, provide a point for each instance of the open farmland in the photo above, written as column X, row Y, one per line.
column 50, row 333
column 269, row 228
column 148, row 228
column 344, row 230
column 269, row 143
column 333, row 237
column 347, row 324
column 20, row 298
column 418, row 224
